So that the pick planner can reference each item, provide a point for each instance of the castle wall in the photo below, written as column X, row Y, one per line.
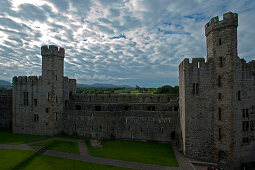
column 225, row 101
column 143, row 117
column 5, row 112
column 244, row 78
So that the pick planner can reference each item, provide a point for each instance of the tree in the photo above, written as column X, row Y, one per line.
column 168, row 90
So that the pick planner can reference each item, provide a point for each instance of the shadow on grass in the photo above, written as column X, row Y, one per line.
column 26, row 162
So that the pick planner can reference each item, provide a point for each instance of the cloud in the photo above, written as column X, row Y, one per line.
column 111, row 41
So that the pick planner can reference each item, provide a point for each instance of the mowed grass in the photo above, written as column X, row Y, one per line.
column 53, row 163
column 63, row 146
column 7, row 137
column 10, row 158
column 145, row 152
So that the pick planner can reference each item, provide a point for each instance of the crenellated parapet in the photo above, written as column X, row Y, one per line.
column 24, row 80
column 229, row 19
column 52, row 50
column 196, row 63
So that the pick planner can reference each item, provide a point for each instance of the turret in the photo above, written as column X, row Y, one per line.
column 221, row 36
column 52, row 62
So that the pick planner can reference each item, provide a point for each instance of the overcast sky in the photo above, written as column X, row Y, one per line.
column 115, row 41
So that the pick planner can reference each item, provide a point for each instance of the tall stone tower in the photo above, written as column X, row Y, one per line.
column 53, row 82
column 217, row 99
column 221, row 42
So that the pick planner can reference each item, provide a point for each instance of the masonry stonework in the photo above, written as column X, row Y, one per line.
column 212, row 118
column 217, row 99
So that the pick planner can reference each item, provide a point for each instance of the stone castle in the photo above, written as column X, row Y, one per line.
column 211, row 120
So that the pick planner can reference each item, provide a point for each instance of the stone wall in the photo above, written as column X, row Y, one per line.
column 143, row 117
column 5, row 111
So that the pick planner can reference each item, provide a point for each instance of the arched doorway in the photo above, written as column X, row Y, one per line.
column 223, row 157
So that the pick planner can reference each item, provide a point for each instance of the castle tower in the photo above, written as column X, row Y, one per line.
column 221, row 37
column 53, row 82
column 221, row 41
column 39, row 103
column 52, row 63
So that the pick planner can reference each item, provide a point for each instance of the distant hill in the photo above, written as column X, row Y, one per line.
column 4, row 83
column 98, row 85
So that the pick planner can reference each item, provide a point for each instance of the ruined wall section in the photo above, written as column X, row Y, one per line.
column 196, row 108
column 5, row 111
column 143, row 117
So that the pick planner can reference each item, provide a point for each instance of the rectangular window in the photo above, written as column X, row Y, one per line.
column 47, row 110
column 239, row 95
column 56, row 116
column 26, row 98
column 220, row 42
column 193, row 88
column 35, row 102
column 219, row 113
column 246, row 140
column 48, row 96
column 77, row 107
column 197, row 88
column 251, row 125
column 219, row 81
column 220, row 135
column 245, row 126
column 220, row 96
column 221, row 62
column 247, row 113
column 36, row 118
column 98, row 108
column 56, row 99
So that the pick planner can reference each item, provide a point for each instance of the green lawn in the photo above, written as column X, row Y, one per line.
column 53, row 163
column 10, row 158
column 145, row 152
column 63, row 146
column 7, row 137
column 29, row 161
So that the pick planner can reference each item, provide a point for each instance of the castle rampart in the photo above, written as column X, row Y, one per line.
column 52, row 50
column 229, row 19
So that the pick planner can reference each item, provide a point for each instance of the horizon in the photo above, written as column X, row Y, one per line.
column 125, row 42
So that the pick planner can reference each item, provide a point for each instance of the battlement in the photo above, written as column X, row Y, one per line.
column 24, row 79
column 229, row 19
column 73, row 81
column 196, row 62
column 52, row 50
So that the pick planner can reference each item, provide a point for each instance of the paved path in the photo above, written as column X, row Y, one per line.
column 84, row 156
